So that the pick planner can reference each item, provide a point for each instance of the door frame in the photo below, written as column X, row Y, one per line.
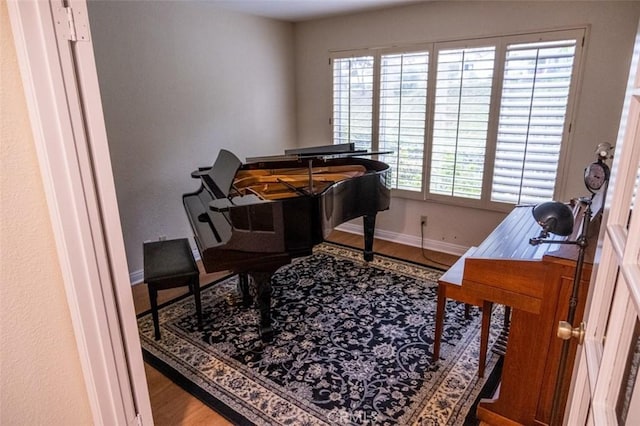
column 612, row 308
column 63, row 99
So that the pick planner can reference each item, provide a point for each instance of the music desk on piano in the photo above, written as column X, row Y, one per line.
column 536, row 282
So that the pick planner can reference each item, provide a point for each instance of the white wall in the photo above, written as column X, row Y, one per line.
column 179, row 81
column 41, row 377
column 608, row 54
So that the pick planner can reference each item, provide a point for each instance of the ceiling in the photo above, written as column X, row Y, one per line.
column 303, row 10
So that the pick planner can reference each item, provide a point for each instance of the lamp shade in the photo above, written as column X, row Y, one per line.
column 554, row 217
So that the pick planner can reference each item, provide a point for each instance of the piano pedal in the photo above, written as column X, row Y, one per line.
column 500, row 346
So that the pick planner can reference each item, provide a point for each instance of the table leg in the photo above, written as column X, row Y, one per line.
column 484, row 336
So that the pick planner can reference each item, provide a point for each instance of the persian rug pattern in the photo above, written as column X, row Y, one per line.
column 353, row 344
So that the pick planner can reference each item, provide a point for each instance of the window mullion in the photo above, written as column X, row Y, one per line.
column 494, row 118
column 400, row 111
column 527, row 139
column 349, row 91
column 375, row 127
column 430, row 113
column 457, row 144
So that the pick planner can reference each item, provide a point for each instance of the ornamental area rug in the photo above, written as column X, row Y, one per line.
column 352, row 346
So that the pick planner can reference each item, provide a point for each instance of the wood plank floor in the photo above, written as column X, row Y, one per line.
column 173, row 406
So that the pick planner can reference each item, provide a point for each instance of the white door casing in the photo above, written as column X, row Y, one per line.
column 63, row 98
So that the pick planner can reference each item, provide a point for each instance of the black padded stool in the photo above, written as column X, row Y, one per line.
column 169, row 264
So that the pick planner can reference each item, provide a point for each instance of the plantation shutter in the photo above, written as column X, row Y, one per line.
column 403, row 105
column 460, row 123
column 353, row 101
column 537, row 78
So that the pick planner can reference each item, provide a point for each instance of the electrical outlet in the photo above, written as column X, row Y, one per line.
column 162, row 238
column 423, row 221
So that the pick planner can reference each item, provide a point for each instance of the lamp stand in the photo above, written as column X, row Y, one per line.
column 581, row 242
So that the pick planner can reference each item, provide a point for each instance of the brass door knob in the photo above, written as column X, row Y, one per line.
column 566, row 331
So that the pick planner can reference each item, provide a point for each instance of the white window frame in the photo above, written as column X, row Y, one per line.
column 356, row 54
column 500, row 42
column 494, row 108
column 426, row 47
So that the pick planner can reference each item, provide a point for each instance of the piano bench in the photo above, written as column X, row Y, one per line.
column 450, row 287
column 169, row 264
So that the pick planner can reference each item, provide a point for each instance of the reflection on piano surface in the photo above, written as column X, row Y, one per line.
column 255, row 217
column 536, row 282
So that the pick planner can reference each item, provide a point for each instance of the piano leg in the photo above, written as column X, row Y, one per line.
column 263, row 299
column 243, row 285
column 369, row 222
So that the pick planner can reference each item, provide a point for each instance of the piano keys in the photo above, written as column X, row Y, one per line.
column 536, row 282
column 253, row 218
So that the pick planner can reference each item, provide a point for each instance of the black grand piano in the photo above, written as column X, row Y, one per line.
column 255, row 217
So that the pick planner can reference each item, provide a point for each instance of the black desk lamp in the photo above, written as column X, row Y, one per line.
column 554, row 218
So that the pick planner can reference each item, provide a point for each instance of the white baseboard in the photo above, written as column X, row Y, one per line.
column 408, row 240
column 137, row 277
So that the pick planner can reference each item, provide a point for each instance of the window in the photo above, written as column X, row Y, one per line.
column 403, row 108
column 484, row 125
column 535, row 92
column 460, row 121
column 353, row 101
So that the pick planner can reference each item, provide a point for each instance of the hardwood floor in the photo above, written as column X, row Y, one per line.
column 170, row 404
column 173, row 406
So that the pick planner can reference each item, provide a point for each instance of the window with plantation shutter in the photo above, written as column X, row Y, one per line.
column 460, row 121
column 353, row 101
column 478, row 123
column 403, row 103
column 535, row 91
